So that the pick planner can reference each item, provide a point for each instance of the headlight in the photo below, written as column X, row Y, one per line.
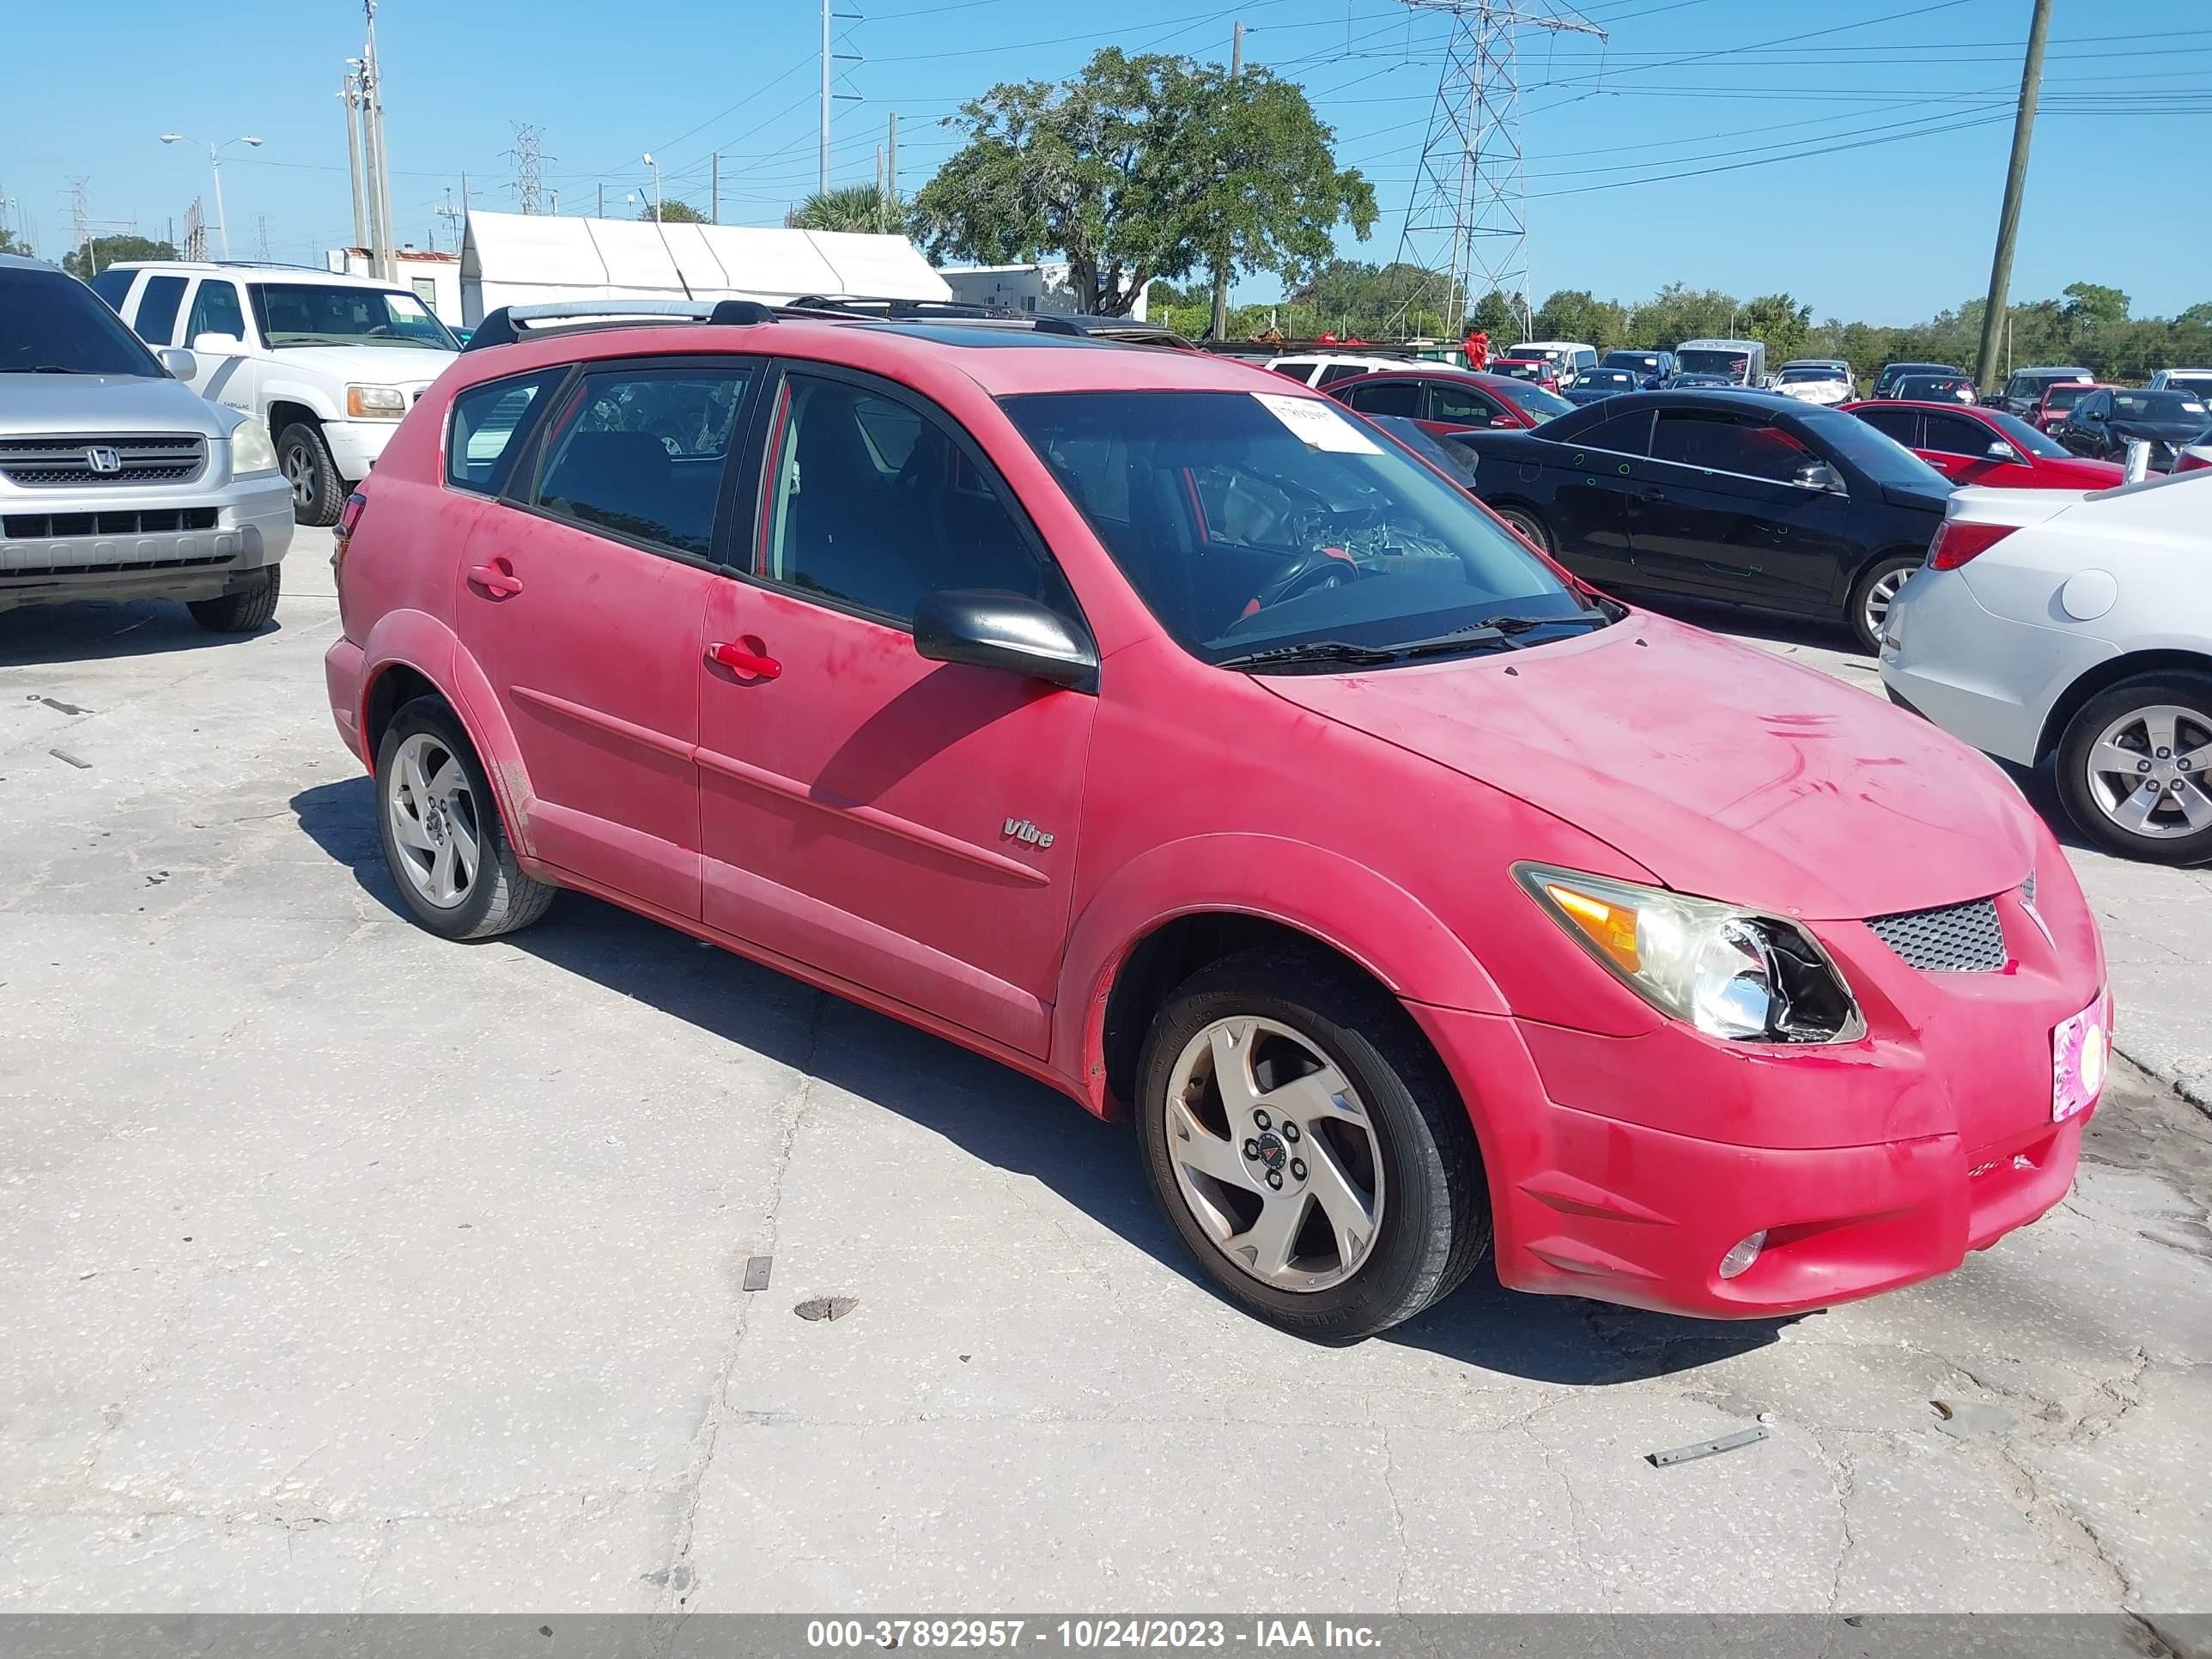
column 250, row 448
column 1729, row 972
column 375, row 403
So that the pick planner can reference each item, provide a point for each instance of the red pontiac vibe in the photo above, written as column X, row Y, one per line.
column 1970, row 444
column 1138, row 719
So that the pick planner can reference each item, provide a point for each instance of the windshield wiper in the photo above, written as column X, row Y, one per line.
column 1310, row 650
column 1523, row 624
column 44, row 369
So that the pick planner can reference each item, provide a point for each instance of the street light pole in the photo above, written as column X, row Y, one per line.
column 647, row 159
column 214, row 165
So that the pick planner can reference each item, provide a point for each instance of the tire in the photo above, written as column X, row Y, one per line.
column 244, row 611
column 1525, row 520
column 1395, row 1121
column 2172, row 711
column 317, row 493
column 1870, row 596
column 414, row 787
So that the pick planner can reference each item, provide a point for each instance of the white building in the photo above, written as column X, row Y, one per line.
column 514, row 258
column 1034, row 287
column 436, row 278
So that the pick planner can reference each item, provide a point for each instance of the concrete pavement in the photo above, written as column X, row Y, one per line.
column 344, row 1268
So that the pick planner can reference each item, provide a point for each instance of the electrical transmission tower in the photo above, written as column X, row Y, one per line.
column 261, row 237
column 529, row 166
column 1465, row 223
column 195, row 246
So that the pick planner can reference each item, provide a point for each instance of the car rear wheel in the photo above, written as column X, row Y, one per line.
column 2133, row 769
column 317, row 493
column 1308, row 1147
column 443, row 840
column 1874, row 592
column 244, row 611
column 1531, row 527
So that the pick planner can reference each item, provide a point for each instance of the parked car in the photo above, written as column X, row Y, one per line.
column 2104, row 424
column 1985, row 447
column 119, row 481
column 1152, row 726
column 1320, row 368
column 1535, row 370
column 1932, row 389
column 2059, row 398
column 2024, row 391
column 2079, row 628
column 1652, row 368
column 329, row 363
column 1455, row 461
column 2196, row 381
column 1740, row 362
column 1567, row 358
column 2196, row 456
column 1815, row 383
column 1450, row 399
column 1691, row 382
column 1596, row 385
column 1884, row 384
column 1842, row 367
column 1719, row 494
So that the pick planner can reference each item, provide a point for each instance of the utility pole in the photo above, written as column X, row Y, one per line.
column 715, row 190
column 890, row 159
column 822, row 182
column 454, row 217
column 379, row 157
column 554, row 196
column 2023, row 132
column 349, row 95
column 883, row 202
column 602, row 213
column 1221, row 260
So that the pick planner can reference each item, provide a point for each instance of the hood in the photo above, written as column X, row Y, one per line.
column 407, row 366
column 2082, row 472
column 2176, row 433
column 1718, row 768
column 46, row 405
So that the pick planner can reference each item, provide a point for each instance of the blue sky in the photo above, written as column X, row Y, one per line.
column 1634, row 146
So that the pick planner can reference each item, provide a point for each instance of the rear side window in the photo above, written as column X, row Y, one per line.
column 1296, row 370
column 156, row 321
column 114, row 286
column 486, row 431
column 1902, row 424
column 638, row 452
column 1724, row 443
column 1341, row 372
column 1954, row 435
column 1449, row 401
column 1387, row 398
column 1623, row 435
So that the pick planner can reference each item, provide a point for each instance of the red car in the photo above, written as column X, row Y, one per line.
column 1139, row 719
column 2060, row 399
column 1974, row 445
column 1537, row 371
column 1449, row 399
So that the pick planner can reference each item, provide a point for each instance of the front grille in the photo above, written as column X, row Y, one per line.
column 153, row 520
column 57, row 463
column 1952, row 939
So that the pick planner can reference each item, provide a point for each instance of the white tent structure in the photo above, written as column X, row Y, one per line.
column 519, row 259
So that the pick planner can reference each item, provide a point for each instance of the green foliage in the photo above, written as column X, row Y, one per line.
column 2091, row 305
column 10, row 243
column 102, row 251
column 1145, row 167
column 673, row 213
column 850, row 207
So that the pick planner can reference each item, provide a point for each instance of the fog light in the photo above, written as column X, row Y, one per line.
column 1744, row 1254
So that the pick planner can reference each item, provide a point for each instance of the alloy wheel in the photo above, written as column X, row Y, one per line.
column 2147, row 771
column 1881, row 594
column 1274, row 1154
column 434, row 823
column 300, row 473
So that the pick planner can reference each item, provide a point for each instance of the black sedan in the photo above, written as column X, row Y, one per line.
column 1721, row 495
column 2103, row 423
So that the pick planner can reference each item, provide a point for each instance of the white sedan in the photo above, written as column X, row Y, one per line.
column 2051, row 622
column 1815, row 383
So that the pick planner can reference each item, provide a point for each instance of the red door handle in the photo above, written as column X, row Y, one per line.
column 496, row 580
column 757, row 664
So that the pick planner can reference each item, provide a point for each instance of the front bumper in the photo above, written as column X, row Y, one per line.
column 1623, row 1169
column 94, row 543
column 355, row 445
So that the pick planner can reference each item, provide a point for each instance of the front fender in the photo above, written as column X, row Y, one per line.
column 1344, row 904
column 416, row 640
column 279, row 389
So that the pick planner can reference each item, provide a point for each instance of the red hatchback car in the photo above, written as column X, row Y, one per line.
column 1973, row 445
column 1139, row 720
column 1450, row 399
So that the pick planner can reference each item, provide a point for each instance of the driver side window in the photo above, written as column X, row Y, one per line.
column 1724, row 443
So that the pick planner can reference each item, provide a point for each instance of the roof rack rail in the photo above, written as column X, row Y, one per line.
column 511, row 323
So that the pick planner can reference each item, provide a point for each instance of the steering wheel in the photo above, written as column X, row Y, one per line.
column 1319, row 569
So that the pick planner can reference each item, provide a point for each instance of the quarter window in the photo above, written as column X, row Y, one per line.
column 855, row 519
column 1901, row 424
column 216, row 310
column 157, row 310
column 639, row 453
column 1954, row 435
column 1387, row 398
column 488, row 421
column 1724, row 443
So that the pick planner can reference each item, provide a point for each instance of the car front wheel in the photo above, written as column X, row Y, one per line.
column 443, row 840
column 1533, row 530
column 318, row 492
column 2133, row 765
column 1308, row 1147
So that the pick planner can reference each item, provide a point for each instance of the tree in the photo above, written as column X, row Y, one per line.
column 10, row 243
column 1782, row 324
column 1575, row 314
column 848, row 207
column 673, row 213
column 1495, row 316
column 1142, row 168
column 2091, row 305
column 105, row 251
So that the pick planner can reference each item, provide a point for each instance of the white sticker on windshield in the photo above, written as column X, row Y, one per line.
column 406, row 305
column 1317, row 424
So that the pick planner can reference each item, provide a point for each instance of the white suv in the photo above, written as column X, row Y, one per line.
column 328, row 363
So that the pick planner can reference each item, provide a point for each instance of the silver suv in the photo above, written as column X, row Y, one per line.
column 117, row 481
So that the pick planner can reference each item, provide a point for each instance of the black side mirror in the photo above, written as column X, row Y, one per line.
column 1818, row 475
column 991, row 628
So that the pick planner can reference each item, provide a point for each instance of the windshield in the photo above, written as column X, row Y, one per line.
column 1522, row 370
column 1881, row 457
column 1542, row 404
column 51, row 324
column 2034, row 442
column 1253, row 522
column 1646, row 361
column 2157, row 406
column 2198, row 385
column 324, row 313
column 1734, row 365
column 1606, row 377
column 1795, row 376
